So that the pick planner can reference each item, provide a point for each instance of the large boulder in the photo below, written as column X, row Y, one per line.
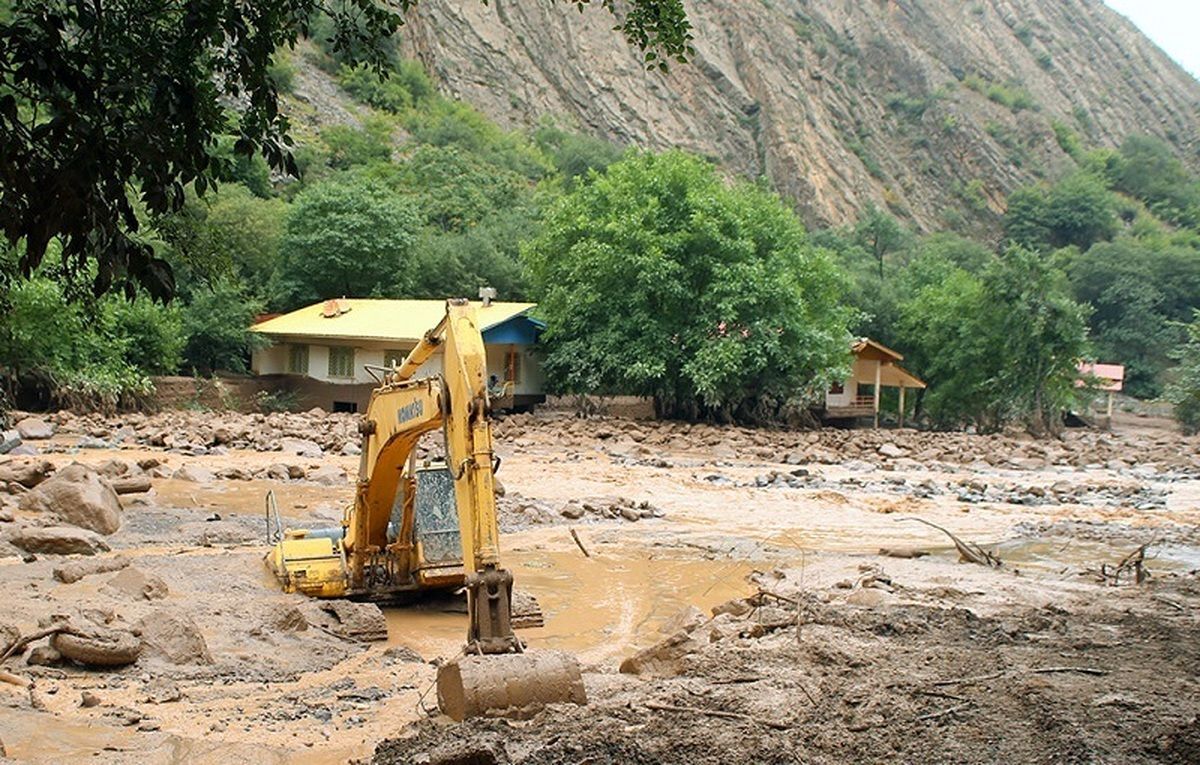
column 79, row 496
column 134, row 583
column 59, row 540
column 194, row 473
column 35, row 429
column 327, row 475
column 173, row 637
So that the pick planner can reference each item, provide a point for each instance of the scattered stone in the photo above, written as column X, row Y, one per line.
column 44, row 656
column 79, row 496
column 137, row 584
column 89, row 699
column 161, row 691
column 301, row 447
column 71, row 572
column 663, row 659
column 25, row 472
column 35, row 429
column 286, row 618
column 327, row 475
column 572, row 511
column 173, row 637
column 113, row 468
column 59, row 540
column 354, row 621
column 194, row 473
column 135, row 484
column 9, row 440
column 403, row 654
column 734, row 607
column 91, row 442
column 892, row 451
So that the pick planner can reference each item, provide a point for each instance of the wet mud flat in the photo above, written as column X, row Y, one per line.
column 822, row 650
column 912, row 673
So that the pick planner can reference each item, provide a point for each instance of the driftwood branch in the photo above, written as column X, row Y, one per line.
column 716, row 713
column 579, row 543
column 25, row 640
column 944, row 712
column 968, row 551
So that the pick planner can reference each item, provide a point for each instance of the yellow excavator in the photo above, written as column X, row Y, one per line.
column 421, row 529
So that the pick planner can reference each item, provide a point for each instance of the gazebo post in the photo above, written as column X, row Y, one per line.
column 902, row 404
column 878, row 380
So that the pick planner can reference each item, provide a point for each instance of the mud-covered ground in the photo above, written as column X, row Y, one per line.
column 851, row 656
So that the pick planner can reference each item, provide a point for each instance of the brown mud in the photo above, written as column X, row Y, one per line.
column 854, row 673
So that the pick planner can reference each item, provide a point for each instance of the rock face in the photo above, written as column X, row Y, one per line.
column 59, row 540
column 79, row 496
column 840, row 104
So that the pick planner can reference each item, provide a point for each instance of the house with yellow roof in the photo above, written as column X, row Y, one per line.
column 332, row 353
column 875, row 367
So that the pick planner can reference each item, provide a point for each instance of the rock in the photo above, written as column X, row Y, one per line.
column 686, row 620
column 91, row 442
column 137, row 584
column 149, row 463
column 571, row 510
column 9, row 440
column 727, row 626
column 403, row 654
column 870, row 597
column 302, row 447
column 891, row 450
column 134, row 484
column 6, row 515
column 35, row 429
column 735, row 607
column 172, row 637
column 295, row 472
column 663, row 659
column 24, row 450
column 59, row 540
column 44, row 656
column 75, row 570
column 630, row 514
column 113, row 468
column 278, row 472
column 497, row 487
column 351, row 449
column 88, row 699
column 286, row 618
column 353, row 621
column 79, row 496
column 210, row 533
column 327, row 475
column 194, row 473
column 161, row 691
column 26, row 472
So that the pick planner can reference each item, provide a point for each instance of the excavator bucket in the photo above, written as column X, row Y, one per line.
column 508, row 685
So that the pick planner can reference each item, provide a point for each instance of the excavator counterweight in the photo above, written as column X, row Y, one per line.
column 413, row 529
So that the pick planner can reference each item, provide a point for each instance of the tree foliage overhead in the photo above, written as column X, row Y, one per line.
column 102, row 103
column 658, row 279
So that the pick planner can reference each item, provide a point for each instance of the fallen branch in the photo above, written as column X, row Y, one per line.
column 10, row 678
column 968, row 551
column 941, row 695
column 579, row 542
column 716, row 713
column 1080, row 670
column 19, row 646
column 970, row 680
column 944, row 712
column 1169, row 602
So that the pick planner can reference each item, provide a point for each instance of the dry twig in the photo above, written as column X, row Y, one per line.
column 716, row 713
column 968, row 551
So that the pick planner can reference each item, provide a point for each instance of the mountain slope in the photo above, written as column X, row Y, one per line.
column 932, row 108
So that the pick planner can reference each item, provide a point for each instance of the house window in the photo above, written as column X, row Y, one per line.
column 298, row 359
column 512, row 367
column 394, row 357
column 341, row 361
column 836, row 389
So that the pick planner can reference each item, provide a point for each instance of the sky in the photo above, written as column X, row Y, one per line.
column 1173, row 24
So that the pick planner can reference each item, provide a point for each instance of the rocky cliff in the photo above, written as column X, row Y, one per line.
column 934, row 109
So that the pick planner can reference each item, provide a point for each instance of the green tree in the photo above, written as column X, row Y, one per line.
column 217, row 324
column 349, row 236
column 1079, row 210
column 998, row 348
column 96, row 99
column 1184, row 390
column 1149, row 171
column 879, row 234
column 658, row 279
